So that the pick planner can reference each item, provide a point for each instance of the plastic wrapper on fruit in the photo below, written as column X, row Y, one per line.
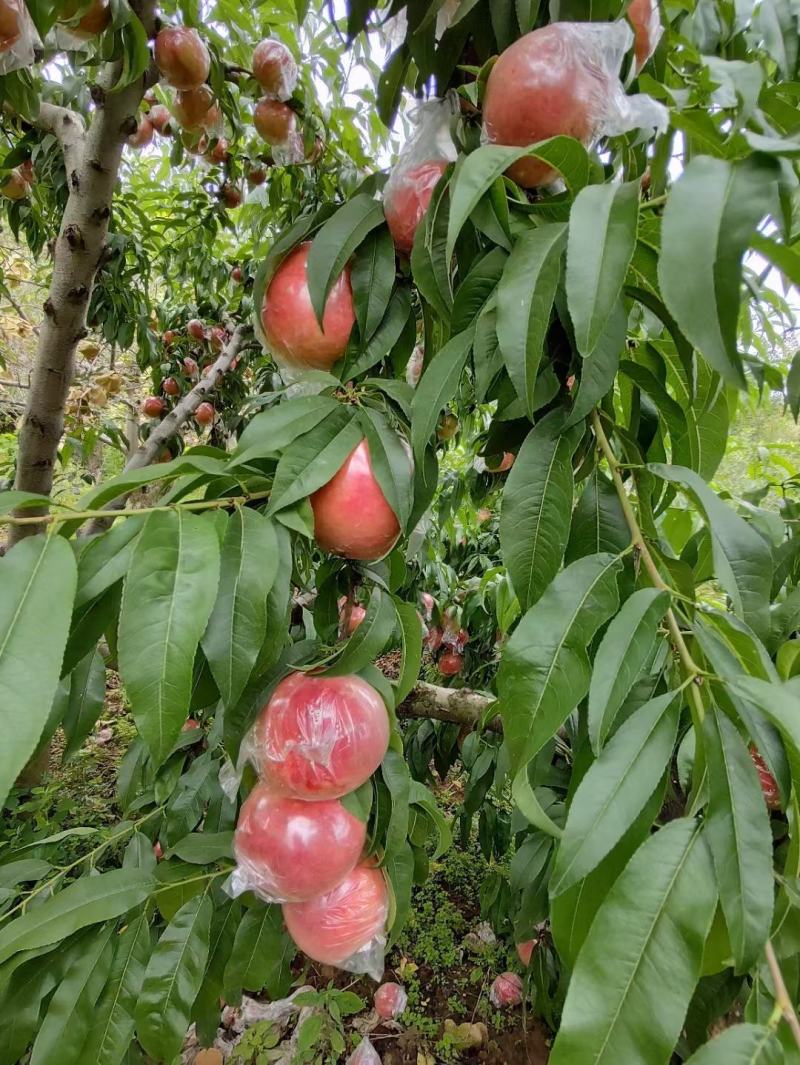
column 422, row 162
column 364, row 1054
column 318, row 737
column 390, row 1001
column 290, row 850
column 18, row 37
column 563, row 79
column 275, row 69
column 291, row 152
column 645, row 19
column 345, row 927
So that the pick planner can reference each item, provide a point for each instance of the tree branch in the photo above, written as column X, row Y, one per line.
column 460, row 706
column 67, row 127
column 782, row 998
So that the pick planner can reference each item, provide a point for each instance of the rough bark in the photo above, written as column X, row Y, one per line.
column 92, row 159
column 457, row 705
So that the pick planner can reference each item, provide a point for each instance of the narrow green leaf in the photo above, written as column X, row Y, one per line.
column 168, row 597
column 525, row 298
column 743, row 1044
column 202, row 848
column 712, row 213
column 545, row 670
column 71, row 1011
column 274, row 429
column 15, row 500
column 335, row 243
column 411, row 633
column 602, row 236
column 172, row 979
column 598, row 371
column 238, row 623
column 394, row 771
column 738, row 831
column 314, row 458
column 437, row 386
column 105, row 559
column 742, row 559
column 87, row 692
column 537, row 507
column 391, row 462
column 627, row 644
column 389, row 332
column 598, row 521
column 37, row 578
column 372, row 277
column 262, row 953
column 615, row 789
column 477, row 289
column 88, row 900
column 640, row 962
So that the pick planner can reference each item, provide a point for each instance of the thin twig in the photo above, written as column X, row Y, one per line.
column 85, row 515
column 781, row 994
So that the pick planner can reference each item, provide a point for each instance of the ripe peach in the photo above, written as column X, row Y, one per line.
column 169, row 337
column 450, row 663
column 434, row 638
column 143, row 135
column 94, row 21
column 274, row 121
column 414, row 366
column 217, row 338
column 219, row 153
column 159, row 117
column 204, row 415
column 525, row 951
column 321, row 737
column 256, row 176
column 428, row 603
column 191, row 108
column 237, row 275
column 171, row 386
column 540, row 88
column 10, row 23
column 405, row 204
column 182, row 57
column 484, row 515
column 351, row 515
column 196, row 329
column 15, row 187
column 153, row 407
column 645, row 21
column 390, row 1000
column 295, row 850
column 506, row 990
column 274, row 69
column 332, row 927
column 350, row 616
column 230, row 194
column 190, row 366
column 190, row 724
column 505, row 463
column 289, row 321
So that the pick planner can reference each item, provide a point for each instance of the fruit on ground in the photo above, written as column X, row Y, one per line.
column 405, row 205
column 645, row 21
column 153, row 407
column 351, row 515
column 171, row 386
column 448, row 427
column 292, row 850
column 193, row 108
column 274, row 121
column 541, row 87
column 390, row 1000
column 336, row 925
column 289, row 322
column 182, row 57
column 505, row 463
column 196, row 329
column 364, row 1054
column 450, row 663
column 506, row 990
column 94, row 21
column 15, row 187
column 350, row 616
column 159, row 117
column 274, row 68
column 525, row 950
column 321, row 737
column 143, row 135
column 769, row 785
column 204, row 415
column 10, row 23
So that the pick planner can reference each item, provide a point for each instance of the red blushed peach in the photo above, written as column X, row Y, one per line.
column 350, row 616
column 289, row 322
column 351, row 515
column 192, row 108
column 506, row 990
column 159, row 117
column 274, row 69
column 540, row 88
column 405, row 205
column 94, row 21
column 143, row 135
column 390, row 1000
column 292, row 850
column 525, row 951
column 645, row 20
column 321, row 737
column 10, row 23
column 333, row 927
column 182, row 57
column 451, row 663
column 274, row 121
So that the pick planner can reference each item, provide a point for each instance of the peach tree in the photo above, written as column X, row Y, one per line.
column 580, row 268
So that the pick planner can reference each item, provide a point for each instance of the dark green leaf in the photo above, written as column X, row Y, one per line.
column 598, row 521
column 372, row 278
column 370, row 637
column 87, row 691
column 314, row 458
column 437, row 386
column 335, row 242
column 411, row 632
column 262, row 953
column 743, row 1044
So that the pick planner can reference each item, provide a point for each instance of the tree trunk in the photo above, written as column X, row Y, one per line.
column 457, row 705
column 92, row 161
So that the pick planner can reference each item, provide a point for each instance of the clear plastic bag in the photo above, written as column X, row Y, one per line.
column 83, row 28
column 422, row 162
column 289, row 850
column 364, row 1054
column 18, row 36
column 506, row 990
column 563, row 79
column 347, row 926
column 319, row 737
column 274, row 69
